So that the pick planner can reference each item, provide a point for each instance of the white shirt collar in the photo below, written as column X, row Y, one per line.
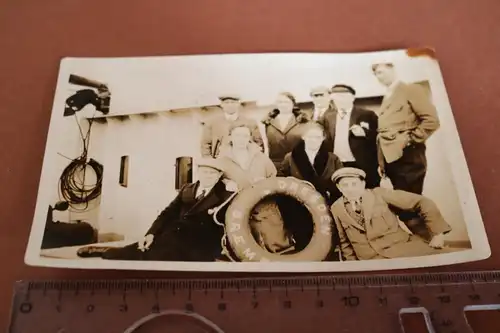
column 231, row 117
column 320, row 110
column 317, row 113
column 347, row 112
column 311, row 155
column 206, row 189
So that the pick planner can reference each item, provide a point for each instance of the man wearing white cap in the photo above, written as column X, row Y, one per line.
column 368, row 226
column 215, row 131
column 184, row 230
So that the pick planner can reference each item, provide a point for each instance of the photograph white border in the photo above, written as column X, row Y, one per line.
column 475, row 227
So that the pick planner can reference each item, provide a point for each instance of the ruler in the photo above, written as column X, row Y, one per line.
column 357, row 303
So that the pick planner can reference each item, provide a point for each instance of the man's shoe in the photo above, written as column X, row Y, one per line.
column 92, row 251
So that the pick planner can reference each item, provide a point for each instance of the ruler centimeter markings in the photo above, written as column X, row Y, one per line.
column 370, row 303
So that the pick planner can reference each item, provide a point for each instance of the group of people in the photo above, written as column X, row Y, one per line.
column 342, row 150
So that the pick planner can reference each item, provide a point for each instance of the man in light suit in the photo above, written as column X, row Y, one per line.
column 216, row 131
column 407, row 118
column 369, row 228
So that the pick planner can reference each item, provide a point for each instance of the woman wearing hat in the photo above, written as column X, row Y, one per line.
column 311, row 161
column 283, row 127
column 244, row 164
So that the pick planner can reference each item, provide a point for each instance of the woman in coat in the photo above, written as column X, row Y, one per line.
column 311, row 161
column 244, row 164
column 283, row 127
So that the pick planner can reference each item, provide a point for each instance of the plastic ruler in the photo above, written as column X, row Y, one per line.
column 355, row 303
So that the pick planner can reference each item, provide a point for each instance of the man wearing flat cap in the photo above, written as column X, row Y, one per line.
column 368, row 226
column 322, row 103
column 215, row 131
column 407, row 118
column 185, row 230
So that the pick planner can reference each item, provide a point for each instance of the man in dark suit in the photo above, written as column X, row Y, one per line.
column 185, row 230
column 407, row 118
column 352, row 133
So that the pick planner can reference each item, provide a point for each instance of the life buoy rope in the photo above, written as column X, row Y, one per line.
column 223, row 242
column 215, row 211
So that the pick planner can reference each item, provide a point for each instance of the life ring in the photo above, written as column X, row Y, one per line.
column 238, row 213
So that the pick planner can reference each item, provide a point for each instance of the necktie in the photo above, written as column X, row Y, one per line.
column 343, row 113
column 356, row 206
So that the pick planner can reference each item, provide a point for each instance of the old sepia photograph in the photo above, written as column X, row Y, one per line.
column 271, row 162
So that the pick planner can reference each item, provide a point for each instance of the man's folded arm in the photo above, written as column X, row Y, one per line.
column 425, row 110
